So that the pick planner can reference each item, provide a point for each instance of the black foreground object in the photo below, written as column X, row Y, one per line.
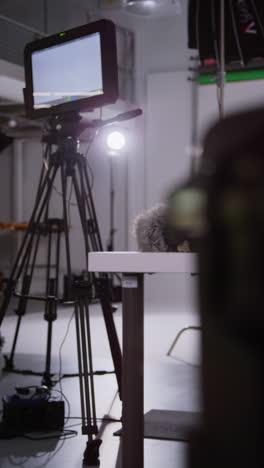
column 229, row 224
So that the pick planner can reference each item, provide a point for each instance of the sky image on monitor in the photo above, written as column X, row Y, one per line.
column 67, row 72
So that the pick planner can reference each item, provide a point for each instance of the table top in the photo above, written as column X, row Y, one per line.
column 142, row 262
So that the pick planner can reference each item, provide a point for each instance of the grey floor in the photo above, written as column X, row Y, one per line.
column 170, row 383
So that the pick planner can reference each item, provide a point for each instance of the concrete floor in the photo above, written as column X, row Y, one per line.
column 170, row 383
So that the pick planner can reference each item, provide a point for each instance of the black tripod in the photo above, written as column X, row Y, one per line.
column 71, row 164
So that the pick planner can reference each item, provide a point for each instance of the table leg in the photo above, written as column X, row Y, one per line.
column 133, row 371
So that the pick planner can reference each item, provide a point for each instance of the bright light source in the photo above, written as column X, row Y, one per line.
column 141, row 6
column 12, row 123
column 145, row 3
column 116, row 140
column 154, row 7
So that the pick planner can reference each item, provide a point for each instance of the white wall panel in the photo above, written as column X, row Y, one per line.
column 167, row 133
column 166, row 164
column 7, row 239
column 238, row 96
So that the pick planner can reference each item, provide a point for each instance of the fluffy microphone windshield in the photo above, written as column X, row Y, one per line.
column 150, row 228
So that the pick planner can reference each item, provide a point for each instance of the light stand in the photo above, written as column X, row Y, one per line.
column 221, row 73
column 112, row 230
column 116, row 142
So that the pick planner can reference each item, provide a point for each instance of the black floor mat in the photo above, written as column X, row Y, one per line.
column 169, row 425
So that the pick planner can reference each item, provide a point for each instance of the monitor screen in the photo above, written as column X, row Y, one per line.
column 61, row 74
column 73, row 70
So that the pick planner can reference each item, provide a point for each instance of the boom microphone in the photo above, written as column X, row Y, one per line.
column 118, row 118
column 129, row 115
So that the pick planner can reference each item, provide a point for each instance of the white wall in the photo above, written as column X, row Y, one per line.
column 167, row 164
column 237, row 97
column 167, row 133
column 6, row 240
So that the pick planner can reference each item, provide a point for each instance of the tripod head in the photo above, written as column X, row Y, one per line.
column 63, row 126
column 65, row 129
column 70, row 125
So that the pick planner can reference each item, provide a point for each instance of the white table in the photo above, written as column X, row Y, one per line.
column 133, row 266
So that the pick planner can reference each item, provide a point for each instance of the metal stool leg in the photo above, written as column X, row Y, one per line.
column 178, row 336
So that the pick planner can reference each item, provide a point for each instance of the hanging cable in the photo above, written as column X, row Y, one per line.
column 45, row 15
column 222, row 58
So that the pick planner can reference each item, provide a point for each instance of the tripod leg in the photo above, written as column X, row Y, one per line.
column 89, row 427
column 65, row 222
column 22, row 304
column 50, row 313
column 51, row 293
column 27, row 240
column 86, row 324
column 94, row 232
column 9, row 360
column 90, row 234
column 47, row 377
column 83, row 335
column 30, row 244
column 38, row 210
column 88, row 410
column 80, row 198
column 102, row 284
column 103, row 291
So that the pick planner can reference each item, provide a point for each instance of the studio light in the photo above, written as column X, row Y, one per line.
column 143, row 3
column 116, row 140
column 12, row 123
column 153, row 7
